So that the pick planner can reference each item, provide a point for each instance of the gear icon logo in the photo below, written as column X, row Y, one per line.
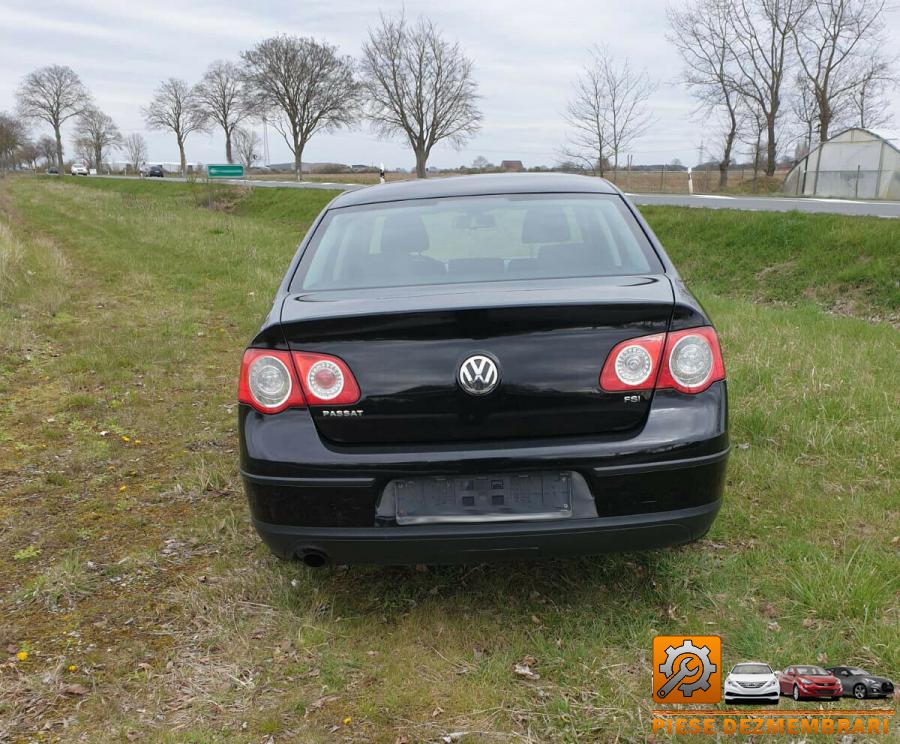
column 687, row 669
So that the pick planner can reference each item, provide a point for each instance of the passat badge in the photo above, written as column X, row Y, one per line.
column 478, row 375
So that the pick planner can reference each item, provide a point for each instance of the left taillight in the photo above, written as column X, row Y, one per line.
column 272, row 381
column 268, row 381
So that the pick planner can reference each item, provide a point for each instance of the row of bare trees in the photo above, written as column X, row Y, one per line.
column 776, row 71
column 410, row 82
column 765, row 70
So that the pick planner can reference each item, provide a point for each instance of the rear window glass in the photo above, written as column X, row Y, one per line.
column 475, row 239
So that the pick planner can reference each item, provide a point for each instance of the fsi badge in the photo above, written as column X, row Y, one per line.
column 687, row 669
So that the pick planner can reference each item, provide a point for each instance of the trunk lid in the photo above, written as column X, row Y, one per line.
column 549, row 338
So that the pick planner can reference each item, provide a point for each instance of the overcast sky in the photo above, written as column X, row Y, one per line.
column 526, row 55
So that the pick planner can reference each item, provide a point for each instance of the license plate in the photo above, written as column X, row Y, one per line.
column 503, row 497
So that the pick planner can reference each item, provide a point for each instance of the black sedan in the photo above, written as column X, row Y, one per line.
column 860, row 684
column 478, row 368
column 155, row 171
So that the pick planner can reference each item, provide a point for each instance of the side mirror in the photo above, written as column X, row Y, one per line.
column 777, row 674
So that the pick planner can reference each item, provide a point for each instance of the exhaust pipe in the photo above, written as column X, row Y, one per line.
column 314, row 558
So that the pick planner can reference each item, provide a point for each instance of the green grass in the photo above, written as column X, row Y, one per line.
column 848, row 266
column 124, row 308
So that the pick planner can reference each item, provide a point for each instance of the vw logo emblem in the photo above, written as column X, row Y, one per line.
column 478, row 375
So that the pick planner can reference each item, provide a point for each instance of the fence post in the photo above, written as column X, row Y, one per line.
column 877, row 194
column 662, row 178
column 856, row 189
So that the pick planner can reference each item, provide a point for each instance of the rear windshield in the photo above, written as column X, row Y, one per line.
column 475, row 239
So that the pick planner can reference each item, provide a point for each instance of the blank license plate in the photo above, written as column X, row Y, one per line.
column 483, row 498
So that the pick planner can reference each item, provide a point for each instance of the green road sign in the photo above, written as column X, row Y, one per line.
column 225, row 171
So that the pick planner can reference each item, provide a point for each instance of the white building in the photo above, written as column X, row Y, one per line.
column 856, row 163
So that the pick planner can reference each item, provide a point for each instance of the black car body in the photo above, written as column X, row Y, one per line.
column 474, row 329
column 155, row 171
column 860, row 684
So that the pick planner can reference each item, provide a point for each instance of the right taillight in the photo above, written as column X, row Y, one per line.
column 692, row 361
column 688, row 361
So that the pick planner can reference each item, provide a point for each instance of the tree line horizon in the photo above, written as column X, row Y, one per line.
column 764, row 73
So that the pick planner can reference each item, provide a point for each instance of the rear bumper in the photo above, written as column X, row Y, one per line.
column 661, row 487
column 464, row 543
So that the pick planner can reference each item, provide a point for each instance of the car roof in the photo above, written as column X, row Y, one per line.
column 480, row 185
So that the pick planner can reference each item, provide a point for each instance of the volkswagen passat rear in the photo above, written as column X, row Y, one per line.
column 477, row 368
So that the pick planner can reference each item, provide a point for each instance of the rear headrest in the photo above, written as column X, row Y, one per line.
column 545, row 223
column 403, row 234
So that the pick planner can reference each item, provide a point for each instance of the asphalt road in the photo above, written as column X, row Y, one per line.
column 856, row 207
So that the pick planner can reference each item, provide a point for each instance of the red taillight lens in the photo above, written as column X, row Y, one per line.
column 633, row 364
column 272, row 381
column 688, row 361
column 326, row 380
column 268, row 381
column 692, row 361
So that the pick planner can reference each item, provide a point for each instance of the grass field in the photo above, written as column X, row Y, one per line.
column 137, row 604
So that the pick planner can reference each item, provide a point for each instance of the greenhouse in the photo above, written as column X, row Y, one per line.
column 855, row 164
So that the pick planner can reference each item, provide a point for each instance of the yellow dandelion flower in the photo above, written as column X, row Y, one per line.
column 73, row 668
column 137, row 441
column 122, row 488
column 126, row 439
column 22, row 655
column 347, row 720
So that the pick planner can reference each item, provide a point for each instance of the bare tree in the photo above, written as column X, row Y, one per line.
column 99, row 132
column 608, row 110
column 832, row 36
column 763, row 56
column 306, row 86
column 46, row 146
column 175, row 107
column 703, row 33
column 28, row 153
column 12, row 137
column 53, row 94
column 135, row 147
column 418, row 85
column 805, row 110
column 220, row 97
column 84, row 153
column 247, row 144
column 589, row 142
column 870, row 98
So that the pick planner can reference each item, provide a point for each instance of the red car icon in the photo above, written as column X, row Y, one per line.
column 809, row 682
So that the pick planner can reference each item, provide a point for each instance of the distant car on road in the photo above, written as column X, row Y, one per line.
column 752, row 682
column 79, row 169
column 53, row 171
column 809, row 682
column 860, row 684
column 482, row 368
column 154, row 171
